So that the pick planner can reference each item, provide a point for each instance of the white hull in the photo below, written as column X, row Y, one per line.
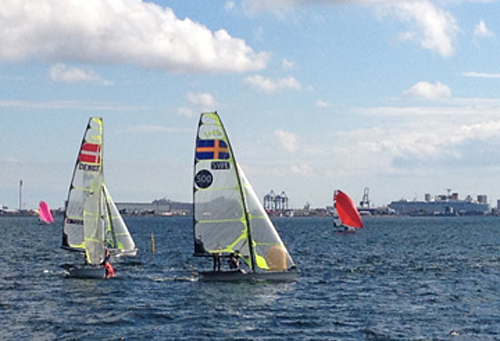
column 123, row 253
column 89, row 272
column 239, row 275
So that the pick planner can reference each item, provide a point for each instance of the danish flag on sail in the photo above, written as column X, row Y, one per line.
column 90, row 153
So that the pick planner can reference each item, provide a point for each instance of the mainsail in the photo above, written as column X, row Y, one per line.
column 228, row 216
column 83, row 228
column 44, row 213
column 117, row 235
column 347, row 211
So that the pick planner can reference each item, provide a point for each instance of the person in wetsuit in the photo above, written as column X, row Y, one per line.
column 234, row 261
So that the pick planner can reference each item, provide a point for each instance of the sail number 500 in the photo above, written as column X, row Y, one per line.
column 203, row 179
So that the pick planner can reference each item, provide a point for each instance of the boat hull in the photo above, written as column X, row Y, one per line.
column 123, row 253
column 239, row 276
column 88, row 272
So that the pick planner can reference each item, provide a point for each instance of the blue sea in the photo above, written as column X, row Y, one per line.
column 397, row 279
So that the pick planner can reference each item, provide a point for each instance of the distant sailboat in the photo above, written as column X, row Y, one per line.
column 229, row 220
column 347, row 211
column 44, row 213
column 85, row 216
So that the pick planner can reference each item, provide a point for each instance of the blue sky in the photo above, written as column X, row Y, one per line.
column 398, row 96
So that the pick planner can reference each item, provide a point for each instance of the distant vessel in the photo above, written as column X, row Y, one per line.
column 347, row 211
column 86, row 215
column 442, row 205
column 44, row 213
column 228, row 217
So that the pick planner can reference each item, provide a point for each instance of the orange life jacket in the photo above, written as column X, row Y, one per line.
column 110, row 272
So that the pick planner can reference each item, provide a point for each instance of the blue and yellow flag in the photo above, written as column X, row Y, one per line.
column 212, row 150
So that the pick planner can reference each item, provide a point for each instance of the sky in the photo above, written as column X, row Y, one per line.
column 401, row 97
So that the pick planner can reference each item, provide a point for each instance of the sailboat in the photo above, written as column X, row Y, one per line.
column 44, row 213
column 347, row 211
column 229, row 220
column 88, row 214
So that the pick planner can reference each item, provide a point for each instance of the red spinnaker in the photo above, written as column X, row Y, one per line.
column 44, row 212
column 348, row 213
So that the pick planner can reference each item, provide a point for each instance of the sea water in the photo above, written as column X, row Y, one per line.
column 397, row 279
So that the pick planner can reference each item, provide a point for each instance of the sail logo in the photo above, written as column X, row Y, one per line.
column 213, row 133
column 220, row 165
column 203, row 179
column 212, row 150
column 90, row 153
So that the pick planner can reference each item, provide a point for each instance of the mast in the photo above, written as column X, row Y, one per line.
column 20, row 195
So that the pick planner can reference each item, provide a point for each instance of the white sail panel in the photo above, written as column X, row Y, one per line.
column 87, row 176
column 117, row 233
column 220, row 224
column 93, row 224
column 270, row 252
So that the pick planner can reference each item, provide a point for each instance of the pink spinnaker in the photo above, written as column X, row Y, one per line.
column 44, row 212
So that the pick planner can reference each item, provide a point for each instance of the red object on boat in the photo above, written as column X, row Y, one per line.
column 110, row 272
column 347, row 211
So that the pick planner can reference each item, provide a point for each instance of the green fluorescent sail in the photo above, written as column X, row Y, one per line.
column 83, row 227
column 92, row 220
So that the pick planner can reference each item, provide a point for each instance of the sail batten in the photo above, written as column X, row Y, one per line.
column 227, row 214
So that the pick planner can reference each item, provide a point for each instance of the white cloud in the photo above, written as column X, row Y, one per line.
column 322, row 104
column 204, row 101
column 428, row 91
column 481, row 74
column 183, row 111
column 83, row 105
column 287, row 65
column 434, row 29
column 65, row 74
column 288, row 140
column 229, row 5
column 268, row 85
column 303, row 169
column 200, row 102
column 119, row 32
column 151, row 129
column 482, row 31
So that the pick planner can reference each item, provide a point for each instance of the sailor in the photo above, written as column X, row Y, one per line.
column 234, row 260
column 107, row 255
column 217, row 261
column 199, row 248
column 110, row 272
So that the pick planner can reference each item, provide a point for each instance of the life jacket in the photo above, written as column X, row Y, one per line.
column 110, row 272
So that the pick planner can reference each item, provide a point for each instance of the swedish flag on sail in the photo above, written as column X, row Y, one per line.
column 212, row 150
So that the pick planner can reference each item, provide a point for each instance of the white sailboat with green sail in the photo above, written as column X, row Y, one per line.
column 91, row 217
column 228, row 217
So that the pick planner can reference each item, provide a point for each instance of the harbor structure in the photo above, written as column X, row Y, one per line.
column 442, row 205
column 161, row 207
